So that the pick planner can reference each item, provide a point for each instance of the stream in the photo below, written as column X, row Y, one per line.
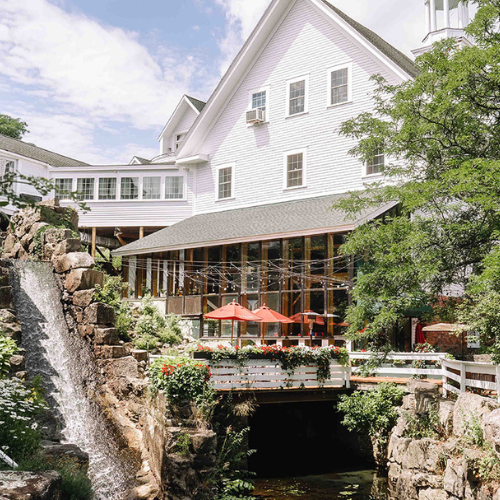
column 356, row 485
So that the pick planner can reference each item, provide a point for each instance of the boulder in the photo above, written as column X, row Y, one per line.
column 110, row 351
column 30, row 485
column 99, row 314
column 83, row 298
column 9, row 243
column 446, row 415
column 432, row 494
column 67, row 246
column 139, row 355
column 6, row 297
column 425, row 394
column 74, row 260
column 492, row 430
column 57, row 450
column 455, row 477
column 471, row 406
column 83, row 279
column 106, row 336
column 17, row 363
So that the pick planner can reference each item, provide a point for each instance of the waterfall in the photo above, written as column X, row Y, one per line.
column 65, row 363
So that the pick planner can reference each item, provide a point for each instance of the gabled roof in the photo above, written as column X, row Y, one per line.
column 199, row 105
column 34, row 152
column 404, row 62
column 139, row 160
column 393, row 59
column 277, row 220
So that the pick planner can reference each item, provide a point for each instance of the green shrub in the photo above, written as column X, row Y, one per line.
column 167, row 336
column 183, row 445
column 111, row 292
column 372, row 411
column 151, row 321
column 8, row 348
column 19, row 405
column 425, row 425
column 146, row 342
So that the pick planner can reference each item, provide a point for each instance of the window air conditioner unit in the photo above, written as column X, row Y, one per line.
column 256, row 116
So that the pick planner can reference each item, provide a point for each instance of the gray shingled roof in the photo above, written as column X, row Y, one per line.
column 199, row 105
column 254, row 222
column 143, row 161
column 392, row 53
column 34, row 152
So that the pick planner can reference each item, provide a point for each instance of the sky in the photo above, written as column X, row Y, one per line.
column 97, row 80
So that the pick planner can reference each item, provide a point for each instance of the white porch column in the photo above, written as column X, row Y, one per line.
column 149, row 274
column 433, row 15
column 428, row 16
column 460, row 15
column 446, row 9
column 132, row 270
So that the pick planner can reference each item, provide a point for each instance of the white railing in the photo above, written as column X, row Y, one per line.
column 403, row 370
column 464, row 374
column 265, row 374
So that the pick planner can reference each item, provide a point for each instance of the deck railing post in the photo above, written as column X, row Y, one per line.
column 445, row 378
column 463, row 383
column 497, row 380
column 348, row 376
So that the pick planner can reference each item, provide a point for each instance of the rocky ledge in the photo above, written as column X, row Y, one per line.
column 30, row 485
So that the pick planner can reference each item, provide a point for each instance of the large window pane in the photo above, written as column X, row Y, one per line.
column 318, row 256
column 151, row 188
column 107, row 188
column 297, row 97
column 259, row 100
column 227, row 325
column 253, row 267
column 213, row 276
column 85, row 189
column 64, row 187
column 174, row 188
column 129, row 188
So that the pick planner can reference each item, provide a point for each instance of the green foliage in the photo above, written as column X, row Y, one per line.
column 151, row 320
column 146, row 342
column 440, row 133
column 19, row 405
column 231, row 480
column 183, row 445
column 473, row 431
column 425, row 425
column 485, row 467
column 76, row 484
column 372, row 411
column 8, row 348
column 12, row 127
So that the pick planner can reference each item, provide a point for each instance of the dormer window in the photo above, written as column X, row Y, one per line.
column 178, row 140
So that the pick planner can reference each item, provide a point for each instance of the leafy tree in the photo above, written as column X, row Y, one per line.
column 441, row 136
column 13, row 127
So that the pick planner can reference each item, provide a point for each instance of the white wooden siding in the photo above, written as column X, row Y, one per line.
column 306, row 43
column 182, row 126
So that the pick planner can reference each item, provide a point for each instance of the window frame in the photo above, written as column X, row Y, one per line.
column 164, row 190
column 66, row 179
column 117, row 187
column 366, row 174
column 94, row 190
column 304, row 78
column 141, row 184
column 217, row 170
column 181, row 133
column 348, row 67
column 251, row 93
column 286, row 154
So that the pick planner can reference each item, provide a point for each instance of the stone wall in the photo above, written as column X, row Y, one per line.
column 444, row 468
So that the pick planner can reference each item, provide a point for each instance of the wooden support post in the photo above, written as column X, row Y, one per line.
column 463, row 382
column 497, row 379
column 94, row 239
column 141, row 232
column 445, row 378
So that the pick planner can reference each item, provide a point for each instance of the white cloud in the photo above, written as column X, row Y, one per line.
column 101, row 71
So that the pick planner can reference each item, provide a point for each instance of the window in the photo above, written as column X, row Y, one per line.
column 151, row 188
column 225, row 177
column 7, row 166
column 64, row 187
column 178, row 140
column 339, row 85
column 85, row 189
column 297, row 96
column 376, row 164
column 174, row 188
column 107, row 188
column 295, row 163
column 259, row 100
column 129, row 188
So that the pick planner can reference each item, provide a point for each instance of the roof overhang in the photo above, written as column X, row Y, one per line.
column 180, row 109
column 193, row 160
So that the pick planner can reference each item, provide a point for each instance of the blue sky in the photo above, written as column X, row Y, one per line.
column 97, row 79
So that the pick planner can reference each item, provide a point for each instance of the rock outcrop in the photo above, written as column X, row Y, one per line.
column 30, row 485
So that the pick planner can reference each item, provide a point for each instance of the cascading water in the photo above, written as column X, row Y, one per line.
column 65, row 362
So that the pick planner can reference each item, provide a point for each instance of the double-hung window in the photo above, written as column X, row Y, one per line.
column 295, row 169
column 375, row 165
column 339, row 85
column 259, row 99
column 107, row 188
column 64, row 187
column 85, row 189
column 7, row 166
column 129, row 188
column 297, row 96
column 174, row 187
column 225, row 182
column 151, row 188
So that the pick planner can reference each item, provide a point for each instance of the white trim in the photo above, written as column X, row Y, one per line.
column 304, row 78
column 193, row 160
column 217, row 169
column 286, row 154
column 190, row 104
column 267, row 90
column 175, row 133
column 348, row 66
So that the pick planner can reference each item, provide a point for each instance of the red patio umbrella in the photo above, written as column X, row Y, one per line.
column 419, row 334
column 233, row 312
column 268, row 315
